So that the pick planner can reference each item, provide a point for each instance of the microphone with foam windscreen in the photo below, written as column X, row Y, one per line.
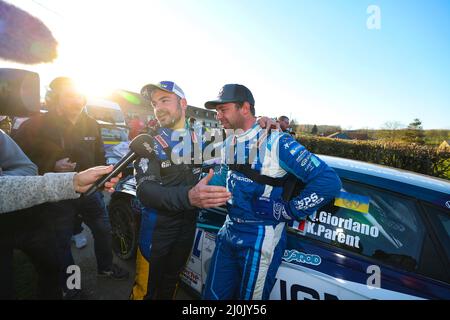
column 24, row 38
column 141, row 146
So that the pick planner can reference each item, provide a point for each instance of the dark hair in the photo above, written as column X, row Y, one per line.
column 240, row 104
column 283, row 118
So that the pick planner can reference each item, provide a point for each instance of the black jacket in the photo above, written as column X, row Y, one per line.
column 47, row 138
column 163, row 185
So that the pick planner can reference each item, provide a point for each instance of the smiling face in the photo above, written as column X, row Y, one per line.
column 169, row 109
column 230, row 116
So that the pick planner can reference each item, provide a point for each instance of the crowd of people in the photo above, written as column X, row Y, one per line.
column 53, row 158
column 251, row 242
column 55, row 144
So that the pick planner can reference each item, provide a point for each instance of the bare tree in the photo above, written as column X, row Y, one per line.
column 392, row 125
column 391, row 129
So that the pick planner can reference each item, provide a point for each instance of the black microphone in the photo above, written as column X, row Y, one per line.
column 141, row 146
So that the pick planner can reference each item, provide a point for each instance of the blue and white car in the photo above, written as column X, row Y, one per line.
column 397, row 248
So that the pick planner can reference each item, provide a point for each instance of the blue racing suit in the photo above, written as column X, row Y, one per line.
column 250, row 245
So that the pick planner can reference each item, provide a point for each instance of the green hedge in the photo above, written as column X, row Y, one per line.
column 418, row 158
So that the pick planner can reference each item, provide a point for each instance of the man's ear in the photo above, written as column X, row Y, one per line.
column 183, row 103
column 246, row 108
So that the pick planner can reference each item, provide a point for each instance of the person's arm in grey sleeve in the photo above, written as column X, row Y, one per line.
column 13, row 162
column 23, row 192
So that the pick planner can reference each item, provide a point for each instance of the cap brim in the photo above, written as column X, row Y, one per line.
column 213, row 103
column 153, row 87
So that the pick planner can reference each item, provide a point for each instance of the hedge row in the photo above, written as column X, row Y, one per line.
column 418, row 158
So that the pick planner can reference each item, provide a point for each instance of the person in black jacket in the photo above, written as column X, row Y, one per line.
column 66, row 139
column 171, row 194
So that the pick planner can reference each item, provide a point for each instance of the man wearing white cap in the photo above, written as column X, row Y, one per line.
column 171, row 195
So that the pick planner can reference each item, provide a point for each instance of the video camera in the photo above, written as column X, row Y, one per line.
column 19, row 92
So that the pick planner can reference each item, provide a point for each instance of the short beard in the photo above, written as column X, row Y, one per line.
column 177, row 116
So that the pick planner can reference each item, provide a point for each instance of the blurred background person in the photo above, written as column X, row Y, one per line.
column 192, row 121
column 284, row 123
column 136, row 126
column 67, row 139
column 152, row 126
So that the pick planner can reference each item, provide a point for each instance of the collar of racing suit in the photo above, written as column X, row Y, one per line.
column 249, row 134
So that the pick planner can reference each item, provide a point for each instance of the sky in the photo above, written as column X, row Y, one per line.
column 321, row 62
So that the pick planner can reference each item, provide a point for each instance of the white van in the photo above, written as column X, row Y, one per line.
column 105, row 112
column 111, row 120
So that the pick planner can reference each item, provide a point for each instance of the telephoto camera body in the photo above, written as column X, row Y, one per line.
column 19, row 92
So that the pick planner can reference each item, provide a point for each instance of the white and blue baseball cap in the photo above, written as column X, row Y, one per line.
column 168, row 86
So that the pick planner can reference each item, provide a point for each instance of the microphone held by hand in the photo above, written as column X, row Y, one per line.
column 141, row 146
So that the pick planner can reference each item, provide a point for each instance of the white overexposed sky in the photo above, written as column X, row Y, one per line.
column 315, row 61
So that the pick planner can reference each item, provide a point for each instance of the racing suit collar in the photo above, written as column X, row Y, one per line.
column 183, row 131
column 249, row 134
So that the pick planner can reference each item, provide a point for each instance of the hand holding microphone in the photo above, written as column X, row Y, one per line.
column 82, row 181
column 141, row 146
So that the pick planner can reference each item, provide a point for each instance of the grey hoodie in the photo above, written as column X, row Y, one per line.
column 22, row 192
column 13, row 162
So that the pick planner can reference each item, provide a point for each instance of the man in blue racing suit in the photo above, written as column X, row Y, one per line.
column 256, row 167
column 169, row 190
